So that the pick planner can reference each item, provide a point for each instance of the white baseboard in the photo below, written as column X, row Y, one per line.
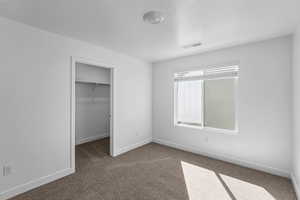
column 133, row 146
column 92, row 138
column 225, row 158
column 34, row 184
column 296, row 185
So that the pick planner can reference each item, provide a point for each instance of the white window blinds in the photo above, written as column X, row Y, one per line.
column 230, row 71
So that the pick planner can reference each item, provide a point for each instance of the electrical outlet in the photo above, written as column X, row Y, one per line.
column 7, row 170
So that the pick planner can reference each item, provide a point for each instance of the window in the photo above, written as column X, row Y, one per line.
column 207, row 98
column 189, row 102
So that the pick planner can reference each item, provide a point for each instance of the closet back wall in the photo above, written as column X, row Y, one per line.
column 92, row 103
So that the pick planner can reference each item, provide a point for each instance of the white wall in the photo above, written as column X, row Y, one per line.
column 296, row 112
column 264, row 106
column 35, row 78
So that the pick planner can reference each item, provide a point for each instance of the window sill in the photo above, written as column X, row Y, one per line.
column 209, row 129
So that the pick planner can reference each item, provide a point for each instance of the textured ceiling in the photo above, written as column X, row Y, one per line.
column 118, row 25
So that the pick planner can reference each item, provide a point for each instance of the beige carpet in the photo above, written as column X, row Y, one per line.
column 158, row 172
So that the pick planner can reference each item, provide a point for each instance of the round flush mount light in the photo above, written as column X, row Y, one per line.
column 153, row 17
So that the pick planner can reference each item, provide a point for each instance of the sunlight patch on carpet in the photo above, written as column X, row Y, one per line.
column 202, row 183
column 246, row 191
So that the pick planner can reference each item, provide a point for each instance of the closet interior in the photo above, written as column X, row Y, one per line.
column 92, row 116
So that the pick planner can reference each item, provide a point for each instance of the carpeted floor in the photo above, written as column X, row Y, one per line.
column 158, row 172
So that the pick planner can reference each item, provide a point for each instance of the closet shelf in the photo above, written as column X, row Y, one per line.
column 90, row 82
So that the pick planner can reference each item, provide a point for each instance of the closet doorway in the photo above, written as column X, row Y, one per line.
column 91, row 111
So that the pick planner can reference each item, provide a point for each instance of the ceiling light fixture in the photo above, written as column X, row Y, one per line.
column 153, row 17
column 192, row 45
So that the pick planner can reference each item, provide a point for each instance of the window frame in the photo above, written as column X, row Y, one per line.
column 203, row 127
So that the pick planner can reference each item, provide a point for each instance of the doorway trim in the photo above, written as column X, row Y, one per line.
column 95, row 63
